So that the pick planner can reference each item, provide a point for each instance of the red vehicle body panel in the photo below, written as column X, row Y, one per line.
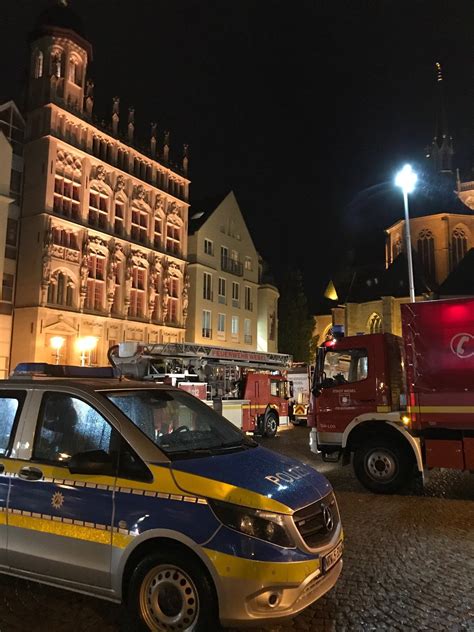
column 257, row 389
column 439, row 348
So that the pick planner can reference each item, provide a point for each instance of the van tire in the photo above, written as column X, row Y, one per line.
column 383, row 465
column 187, row 594
column 270, row 424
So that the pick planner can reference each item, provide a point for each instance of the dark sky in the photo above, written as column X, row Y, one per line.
column 305, row 108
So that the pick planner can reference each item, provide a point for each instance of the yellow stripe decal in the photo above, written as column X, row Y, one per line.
column 240, row 568
column 56, row 526
column 229, row 493
column 383, row 409
column 440, row 409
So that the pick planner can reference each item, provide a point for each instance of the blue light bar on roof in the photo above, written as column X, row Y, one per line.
column 43, row 369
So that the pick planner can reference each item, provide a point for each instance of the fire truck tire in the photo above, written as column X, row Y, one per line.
column 270, row 424
column 383, row 465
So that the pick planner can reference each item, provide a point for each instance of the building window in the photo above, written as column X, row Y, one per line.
column 67, row 197
column 235, row 294
column 11, row 238
column 95, row 283
column 221, row 323
column 61, row 290
column 426, row 252
column 38, row 69
column 224, row 256
column 458, row 246
column 98, row 209
column 248, row 331
column 7, row 287
column 397, row 248
column 375, row 324
column 208, row 247
column 235, row 326
column 137, row 293
column 74, row 72
column 158, row 233
column 173, row 238
column 248, row 263
column 64, row 238
column 117, row 304
column 173, row 301
column 206, row 324
column 222, row 291
column 139, row 230
column 248, row 298
column 207, row 286
column 119, row 218
column 56, row 64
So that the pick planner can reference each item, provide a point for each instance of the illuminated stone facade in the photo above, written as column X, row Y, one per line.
column 104, row 224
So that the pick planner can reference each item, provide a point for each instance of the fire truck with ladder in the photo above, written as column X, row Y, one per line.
column 399, row 406
column 249, row 388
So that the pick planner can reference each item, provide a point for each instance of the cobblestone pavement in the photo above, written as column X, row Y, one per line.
column 408, row 564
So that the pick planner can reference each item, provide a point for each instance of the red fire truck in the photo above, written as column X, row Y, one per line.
column 400, row 406
column 249, row 388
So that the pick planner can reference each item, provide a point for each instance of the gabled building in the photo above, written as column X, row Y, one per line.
column 102, row 255
column 231, row 302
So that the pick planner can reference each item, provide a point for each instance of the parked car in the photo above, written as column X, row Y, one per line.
column 138, row 492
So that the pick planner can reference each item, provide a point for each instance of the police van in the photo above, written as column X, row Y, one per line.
column 141, row 493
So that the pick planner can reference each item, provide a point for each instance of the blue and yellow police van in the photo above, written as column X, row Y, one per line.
column 141, row 493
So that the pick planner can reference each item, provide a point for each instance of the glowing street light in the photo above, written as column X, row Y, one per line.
column 57, row 343
column 406, row 180
column 85, row 346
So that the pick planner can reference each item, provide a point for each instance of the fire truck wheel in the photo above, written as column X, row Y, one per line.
column 270, row 424
column 382, row 465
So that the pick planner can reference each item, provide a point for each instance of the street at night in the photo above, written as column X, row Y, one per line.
column 408, row 564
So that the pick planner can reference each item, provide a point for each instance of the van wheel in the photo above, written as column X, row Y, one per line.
column 382, row 465
column 170, row 591
column 270, row 425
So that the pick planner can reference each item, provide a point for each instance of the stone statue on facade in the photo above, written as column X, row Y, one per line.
column 111, row 279
column 46, row 262
column 128, row 281
column 84, row 272
column 154, row 275
column 185, row 298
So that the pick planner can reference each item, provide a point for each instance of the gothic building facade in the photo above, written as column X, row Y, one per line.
column 102, row 255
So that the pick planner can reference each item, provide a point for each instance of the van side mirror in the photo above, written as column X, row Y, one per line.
column 92, row 462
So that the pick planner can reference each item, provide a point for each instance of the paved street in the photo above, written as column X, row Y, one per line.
column 409, row 564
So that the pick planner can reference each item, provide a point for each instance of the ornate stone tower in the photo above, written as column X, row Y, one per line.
column 59, row 57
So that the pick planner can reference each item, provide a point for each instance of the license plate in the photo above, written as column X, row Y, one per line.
column 332, row 557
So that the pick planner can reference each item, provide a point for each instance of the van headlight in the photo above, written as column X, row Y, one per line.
column 256, row 523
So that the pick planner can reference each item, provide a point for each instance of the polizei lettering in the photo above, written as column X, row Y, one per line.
column 288, row 476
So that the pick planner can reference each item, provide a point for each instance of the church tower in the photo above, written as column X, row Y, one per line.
column 59, row 57
column 440, row 152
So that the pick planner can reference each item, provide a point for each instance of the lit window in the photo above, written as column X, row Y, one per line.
column 95, row 283
column 67, row 196
column 248, row 263
column 137, row 293
column 235, row 326
column 375, row 324
column 139, row 230
column 206, row 324
column 98, row 209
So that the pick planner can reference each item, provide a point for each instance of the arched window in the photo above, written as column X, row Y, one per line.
column 61, row 290
column 56, row 64
column 375, row 324
column 426, row 252
column 75, row 71
column 38, row 65
column 458, row 245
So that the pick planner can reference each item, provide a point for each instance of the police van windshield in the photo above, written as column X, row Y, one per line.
column 178, row 423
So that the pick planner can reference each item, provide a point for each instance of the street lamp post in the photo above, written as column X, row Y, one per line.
column 406, row 180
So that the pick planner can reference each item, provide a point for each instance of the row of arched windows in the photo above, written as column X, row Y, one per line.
column 57, row 66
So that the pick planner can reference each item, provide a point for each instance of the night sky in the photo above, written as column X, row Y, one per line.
column 305, row 108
